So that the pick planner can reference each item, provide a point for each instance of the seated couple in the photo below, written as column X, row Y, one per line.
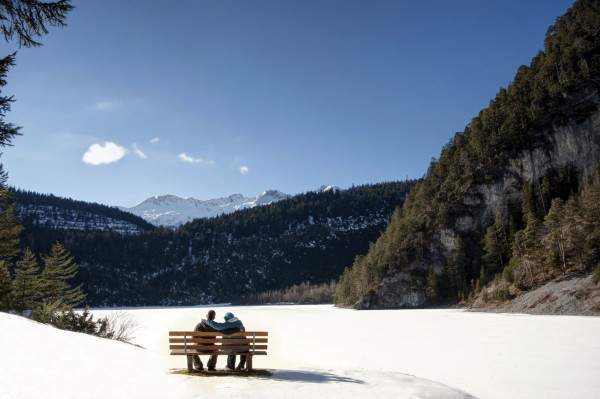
column 232, row 325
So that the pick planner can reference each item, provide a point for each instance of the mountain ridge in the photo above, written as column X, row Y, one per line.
column 172, row 211
column 50, row 211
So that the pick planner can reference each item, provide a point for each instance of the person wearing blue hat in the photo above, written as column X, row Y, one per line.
column 231, row 323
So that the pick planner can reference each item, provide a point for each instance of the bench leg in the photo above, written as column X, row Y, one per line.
column 249, row 363
column 190, row 361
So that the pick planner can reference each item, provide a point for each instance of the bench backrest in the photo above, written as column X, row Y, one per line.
column 214, row 341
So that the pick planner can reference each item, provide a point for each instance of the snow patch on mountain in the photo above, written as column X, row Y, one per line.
column 172, row 211
column 324, row 189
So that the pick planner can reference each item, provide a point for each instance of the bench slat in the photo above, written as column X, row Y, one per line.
column 216, row 340
column 218, row 347
column 218, row 353
column 216, row 333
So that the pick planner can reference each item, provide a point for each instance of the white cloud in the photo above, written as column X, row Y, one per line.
column 244, row 170
column 139, row 152
column 98, row 154
column 187, row 158
column 155, row 140
column 106, row 105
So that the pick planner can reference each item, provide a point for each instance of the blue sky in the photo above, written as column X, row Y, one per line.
column 205, row 98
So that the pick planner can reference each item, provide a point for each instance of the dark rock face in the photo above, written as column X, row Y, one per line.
column 394, row 292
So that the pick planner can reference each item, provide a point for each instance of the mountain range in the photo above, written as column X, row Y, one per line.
column 308, row 237
column 173, row 211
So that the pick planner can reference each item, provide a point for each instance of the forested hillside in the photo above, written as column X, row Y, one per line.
column 308, row 238
column 46, row 210
column 513, row 199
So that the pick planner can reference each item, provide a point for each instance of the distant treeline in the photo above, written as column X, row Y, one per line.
column 304, row 293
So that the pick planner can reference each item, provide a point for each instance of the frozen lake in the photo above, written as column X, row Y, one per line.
column 322, row 350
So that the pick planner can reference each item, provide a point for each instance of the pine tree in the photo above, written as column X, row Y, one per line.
column 493, row 258
column 26, row 286
column 533, row 256
column 590, row 218
column 59, row 269
column 5, row 286
column 432, row 287
column 28, row 19
column 457, row 270
column 9, row 225
column 528, row 202
column 25, row 20
column 7, row 130
column 576, row 235
column 9, row 239
column 555, row 241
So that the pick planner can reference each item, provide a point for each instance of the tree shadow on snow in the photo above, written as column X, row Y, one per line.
column 311, row 376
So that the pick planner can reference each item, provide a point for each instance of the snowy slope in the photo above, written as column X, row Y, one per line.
column 416, row 354
column 171, row 210
column 74, row 219
column 39, row 361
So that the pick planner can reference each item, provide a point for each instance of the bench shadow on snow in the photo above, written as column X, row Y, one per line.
column 311, row 376
column 423, row 388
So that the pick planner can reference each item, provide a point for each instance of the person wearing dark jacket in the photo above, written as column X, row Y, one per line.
column 212, row 360
column 231, row 322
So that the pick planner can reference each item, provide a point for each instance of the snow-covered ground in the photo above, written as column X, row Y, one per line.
column 317, row 351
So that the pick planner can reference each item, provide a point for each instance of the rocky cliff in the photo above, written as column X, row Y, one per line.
column 575, row 143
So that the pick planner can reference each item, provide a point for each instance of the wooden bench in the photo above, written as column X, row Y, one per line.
column 191, row 343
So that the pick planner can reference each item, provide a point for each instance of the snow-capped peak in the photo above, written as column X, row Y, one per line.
column 324, row 189
column 172, row 211
column 161, row 199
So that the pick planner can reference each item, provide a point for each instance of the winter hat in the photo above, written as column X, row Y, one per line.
column 228, row 316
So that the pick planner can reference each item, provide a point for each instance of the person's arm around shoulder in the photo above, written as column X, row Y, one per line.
column 218, row 326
